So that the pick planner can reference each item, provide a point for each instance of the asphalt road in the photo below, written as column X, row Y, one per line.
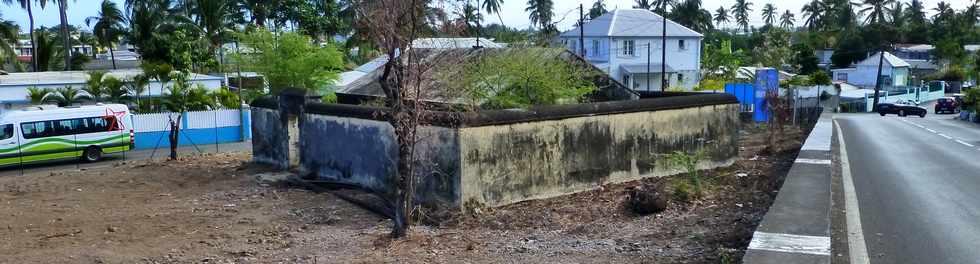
column 917, row 182
column 159, row 154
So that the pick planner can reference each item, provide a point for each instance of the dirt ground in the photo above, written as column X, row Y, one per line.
column 210, row 209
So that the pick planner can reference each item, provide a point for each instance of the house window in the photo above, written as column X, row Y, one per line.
column 842, row 77
column 680, row 43
column 595, row 47
column 626, row 80
column 629, row 48
column 680, row 78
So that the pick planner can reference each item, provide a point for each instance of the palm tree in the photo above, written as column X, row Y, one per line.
column 26, row 5
column 137, row 86
column 37, row 95
column 741, row 10
column 108, row 29
column 94, row 86
column 213, row 19
column 690, row 14
column 66, row 96
column 897, row 15
column 787, row 20
column 598, row 9
column 721, row 16
column 877, row 11
column 813, row 14
column 8, row 38
column 643, row 4
column 540, row 12
column 65, row 39
column 493, row 7
column 769, row 14
column 943, row 11
column 46, row 53
column 916, row 12
column 115, row 90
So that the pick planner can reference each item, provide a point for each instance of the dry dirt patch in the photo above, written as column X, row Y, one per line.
column 210, row 209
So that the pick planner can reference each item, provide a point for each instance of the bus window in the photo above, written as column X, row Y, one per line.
column 37, row 129
column 6, row 132
column 64, row 127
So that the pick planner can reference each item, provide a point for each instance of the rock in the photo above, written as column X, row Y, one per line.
column 646, row 199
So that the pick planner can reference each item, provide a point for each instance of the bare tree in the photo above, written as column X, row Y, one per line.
column 394, row 25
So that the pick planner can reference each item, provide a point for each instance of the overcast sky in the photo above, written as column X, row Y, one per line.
column 513, row 11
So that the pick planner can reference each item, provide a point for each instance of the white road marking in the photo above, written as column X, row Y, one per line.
column 964, row 143
column 812, row 245
column 945, row 136
column 814, row 161
column 930, row 130
column 855, row 234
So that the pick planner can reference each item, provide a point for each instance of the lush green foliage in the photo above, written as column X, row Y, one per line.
column 690, row 163
column 517, row 78
column 291, row 60
column 66, row 96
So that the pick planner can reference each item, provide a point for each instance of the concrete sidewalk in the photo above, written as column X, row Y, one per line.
column 797, row 227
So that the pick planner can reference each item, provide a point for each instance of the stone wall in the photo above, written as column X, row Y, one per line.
column 509, row 163
column 506, row 156
column 270, row 141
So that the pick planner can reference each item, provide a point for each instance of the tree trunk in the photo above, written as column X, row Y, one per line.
column 112, row 55
column 174, row 136
column 30, row 16
column 405, row 177
column 62, row 8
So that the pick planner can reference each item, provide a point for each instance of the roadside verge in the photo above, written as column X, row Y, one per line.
column 796, row 229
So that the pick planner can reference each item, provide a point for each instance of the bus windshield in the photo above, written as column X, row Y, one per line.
column 6, row 131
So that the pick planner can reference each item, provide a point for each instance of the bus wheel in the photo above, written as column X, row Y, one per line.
column 92, row 154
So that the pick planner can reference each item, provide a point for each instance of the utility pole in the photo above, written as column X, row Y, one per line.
column 648, row 66
column 581, row 30
column 881, row 60
column 664, row 82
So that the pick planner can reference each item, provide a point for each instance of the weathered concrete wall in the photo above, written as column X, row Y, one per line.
column 363, row 152
column 270, row 142
column 508, row 163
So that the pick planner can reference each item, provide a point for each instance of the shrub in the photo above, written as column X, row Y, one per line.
column 682, row 191
column 820, row 78
column 521, row 77
column 690, row 164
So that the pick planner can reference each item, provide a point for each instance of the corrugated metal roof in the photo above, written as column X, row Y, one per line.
column 631, row 23
column 454, row 43
column 891, row 59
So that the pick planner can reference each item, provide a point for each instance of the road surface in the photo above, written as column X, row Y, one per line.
column 917, row 182
column 131, row 155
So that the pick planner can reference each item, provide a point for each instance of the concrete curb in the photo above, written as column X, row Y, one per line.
column 797, row 227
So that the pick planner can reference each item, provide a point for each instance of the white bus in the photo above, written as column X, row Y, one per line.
column 44, row 133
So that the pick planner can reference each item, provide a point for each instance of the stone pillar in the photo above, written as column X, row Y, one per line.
column 292, row 106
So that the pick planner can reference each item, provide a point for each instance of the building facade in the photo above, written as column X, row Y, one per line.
column 627, row 44
column 894, row 72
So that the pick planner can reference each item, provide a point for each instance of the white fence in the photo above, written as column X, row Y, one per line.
column 192, row 120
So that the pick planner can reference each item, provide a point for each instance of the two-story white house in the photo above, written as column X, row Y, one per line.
column 894, row 72
column 627, row 44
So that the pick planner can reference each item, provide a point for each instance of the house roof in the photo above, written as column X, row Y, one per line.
column 20, row 79
column 895, row 62
column 915, row 47
column 454, row 43
column 631, row 23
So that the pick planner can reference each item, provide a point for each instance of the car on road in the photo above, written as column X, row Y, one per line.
column 947, row 105
column 901, row 109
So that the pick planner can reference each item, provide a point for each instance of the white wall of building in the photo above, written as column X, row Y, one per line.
column 686, row 62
